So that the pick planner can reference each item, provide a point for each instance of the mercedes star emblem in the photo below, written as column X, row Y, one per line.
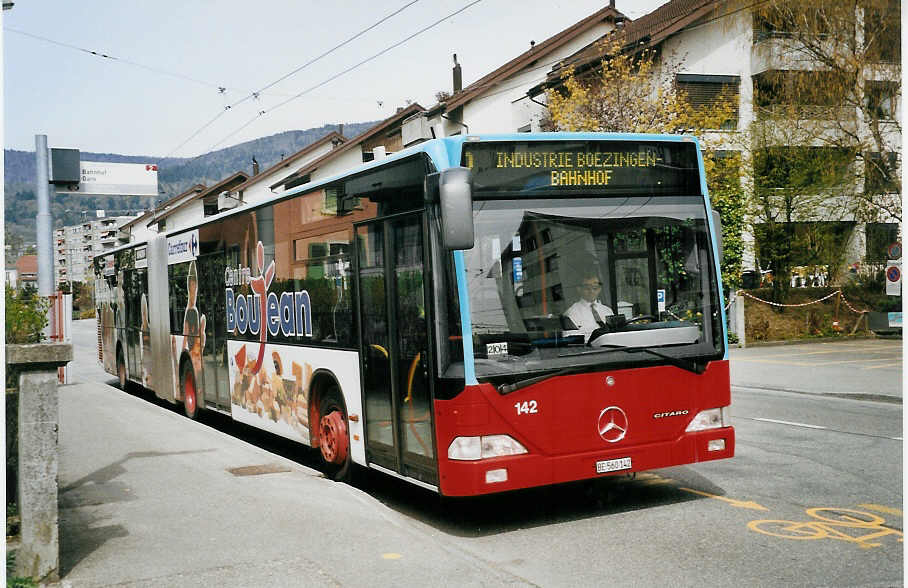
column 612, row 424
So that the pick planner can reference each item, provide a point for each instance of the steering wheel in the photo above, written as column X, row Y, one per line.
column 642, row 317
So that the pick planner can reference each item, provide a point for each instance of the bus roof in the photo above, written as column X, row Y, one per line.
column 443, row 153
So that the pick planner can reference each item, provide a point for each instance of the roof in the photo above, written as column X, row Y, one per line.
column 354, row 142
column 521, row 61
column 227, row 183
column 647, row 31
column 163, row 206
column 27, row 264
column 330, row 137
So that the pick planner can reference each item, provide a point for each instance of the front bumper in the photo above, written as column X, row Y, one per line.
column 468, row 478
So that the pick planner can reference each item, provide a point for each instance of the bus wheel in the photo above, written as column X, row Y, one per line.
column 333, row 438
column 121, row 370
column 190, row 396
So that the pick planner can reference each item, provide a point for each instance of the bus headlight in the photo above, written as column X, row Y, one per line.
column 474, row 448
column 713, row 418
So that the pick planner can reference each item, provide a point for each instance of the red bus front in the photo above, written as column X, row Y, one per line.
column 584, row 426
column 586, row 330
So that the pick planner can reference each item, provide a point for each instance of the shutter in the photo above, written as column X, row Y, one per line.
column 703, row 92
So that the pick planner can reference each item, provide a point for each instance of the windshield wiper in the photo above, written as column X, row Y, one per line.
column 684, row 364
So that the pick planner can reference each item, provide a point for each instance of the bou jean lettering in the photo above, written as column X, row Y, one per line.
column 263, row 312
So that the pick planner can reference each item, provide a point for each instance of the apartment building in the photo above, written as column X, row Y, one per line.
column 712, row 48
column 76, row 245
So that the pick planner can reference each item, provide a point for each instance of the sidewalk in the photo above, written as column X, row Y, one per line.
column 867, row 369
column 147, row 498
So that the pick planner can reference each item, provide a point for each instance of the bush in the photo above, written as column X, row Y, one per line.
column 830, row 318
column 26, row 316
column 87, row 313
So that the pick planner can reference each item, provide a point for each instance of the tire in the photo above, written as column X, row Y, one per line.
column 189, row 390
column 123, row 381
column 334, row 436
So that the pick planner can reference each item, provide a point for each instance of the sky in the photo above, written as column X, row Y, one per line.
column 159, row 93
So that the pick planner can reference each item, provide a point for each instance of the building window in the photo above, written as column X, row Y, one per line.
column 882, row 31
column 881, row 173
column 805, row 95
column 705, row 91
column 881, row 99
column 800, row 169
column 879, row 237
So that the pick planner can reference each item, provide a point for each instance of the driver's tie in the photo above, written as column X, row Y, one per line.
column 596, row 315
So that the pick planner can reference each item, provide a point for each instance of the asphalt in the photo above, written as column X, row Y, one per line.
column 863, row 369
column 149, row 498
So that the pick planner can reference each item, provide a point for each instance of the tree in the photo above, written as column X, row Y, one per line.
column 839, row 66
column 14, row 241
column 633, row 93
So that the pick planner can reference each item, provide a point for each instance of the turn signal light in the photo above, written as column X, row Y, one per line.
column 716, row 445
column 493, row 476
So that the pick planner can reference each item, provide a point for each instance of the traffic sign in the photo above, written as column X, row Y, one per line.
column 895, row 250
column 894, row 277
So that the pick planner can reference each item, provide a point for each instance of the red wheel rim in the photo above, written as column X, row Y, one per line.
column 189, row 394
column 333, row 437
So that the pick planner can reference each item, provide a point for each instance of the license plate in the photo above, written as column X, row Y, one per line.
column 613, row 465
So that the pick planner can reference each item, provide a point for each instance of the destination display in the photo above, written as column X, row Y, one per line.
column 619, row 167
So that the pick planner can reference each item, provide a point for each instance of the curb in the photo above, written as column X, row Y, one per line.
column 808, row 340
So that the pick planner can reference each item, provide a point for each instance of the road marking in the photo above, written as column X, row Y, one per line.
column 830, row 523
column 882, row 509
column 814, row 363
column 391, row 556
column 805, row 425
column 773, row 361
column 896, row 365
column 738, row 503
column 842, row 349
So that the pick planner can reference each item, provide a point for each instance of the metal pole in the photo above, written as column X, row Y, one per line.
column 44, row 220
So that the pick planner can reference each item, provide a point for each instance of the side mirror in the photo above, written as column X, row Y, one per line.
column 455, row 195
column 717, row 224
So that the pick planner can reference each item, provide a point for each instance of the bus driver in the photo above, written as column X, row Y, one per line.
column 588, row 314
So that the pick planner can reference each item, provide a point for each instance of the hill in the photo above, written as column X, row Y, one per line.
column 174, row 176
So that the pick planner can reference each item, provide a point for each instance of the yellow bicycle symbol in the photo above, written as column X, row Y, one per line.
column 830, row 523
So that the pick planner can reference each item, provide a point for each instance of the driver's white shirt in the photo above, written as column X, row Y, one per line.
column 581, row 314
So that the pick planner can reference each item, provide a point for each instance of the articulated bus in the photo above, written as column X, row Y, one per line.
column 473, row 314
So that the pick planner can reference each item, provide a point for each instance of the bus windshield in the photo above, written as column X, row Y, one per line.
column 553, row 281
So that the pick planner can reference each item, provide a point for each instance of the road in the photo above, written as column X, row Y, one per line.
column 813, row 497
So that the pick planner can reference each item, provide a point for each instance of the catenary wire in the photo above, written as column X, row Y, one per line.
column 341, row 73
column 258, row 93
column 219, row 87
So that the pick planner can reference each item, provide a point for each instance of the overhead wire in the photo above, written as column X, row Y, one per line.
column 219, row 87
column 256, row 94
column 344, row 72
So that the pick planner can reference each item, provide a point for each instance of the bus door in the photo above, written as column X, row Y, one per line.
column 397, row 398
column 211, row 304
column 134, row 286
